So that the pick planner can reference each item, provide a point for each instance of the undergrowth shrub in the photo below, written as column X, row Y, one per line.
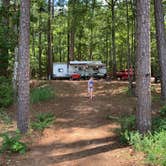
column 43, row 121
column 162, row 111
column 127, row 91
column 42, row 94
column 11, row 143
column 159, row 121
column 6, row 92
column 130, row 91
column 127, row 124
column 152, row 144
column 4, row 117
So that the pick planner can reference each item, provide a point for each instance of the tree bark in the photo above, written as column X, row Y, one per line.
column 49, row 49
column 16, row 58
column 71, row 23
column 114, row 68
column 161, row 44
column 72, row 41
column 91, row 31
column 23, row 67
column 40, row 46
column 128, row 47
column 4, row 52
column 52, row 35
column 15, row 75
column 143, row 74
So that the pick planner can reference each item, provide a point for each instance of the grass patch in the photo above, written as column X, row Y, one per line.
column 43, row 93
column 129, row 91
column 4, row 117
column 43, row 121
column 113, row 118
column 126, row 91
column 11, row 143
column 6, row 92
column 153, row 144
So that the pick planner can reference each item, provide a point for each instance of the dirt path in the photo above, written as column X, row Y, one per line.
column 82, row 135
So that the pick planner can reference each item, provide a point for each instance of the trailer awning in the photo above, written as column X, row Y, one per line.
column 88, row 63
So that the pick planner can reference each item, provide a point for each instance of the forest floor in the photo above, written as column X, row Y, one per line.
column 82, row 135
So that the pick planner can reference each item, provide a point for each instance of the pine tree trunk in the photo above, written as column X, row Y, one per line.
column 161, row 43
column 128, row 48
column 72, row 41
column 16, row 57
column 114, row 66
column 23, row 67
column 79, row 45
column 49, row 49
column 71, row 24
column 4, row 52
column 91, row 31
column 143, row 66
column 52, row 36
column 106, row 49
column 15, row 75
column 60, row 49
column 40, row 47
column 133, row 43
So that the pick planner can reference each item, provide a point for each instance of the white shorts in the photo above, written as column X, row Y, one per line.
column 90, row 89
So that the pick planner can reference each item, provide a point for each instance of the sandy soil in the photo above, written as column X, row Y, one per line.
column 82, row 135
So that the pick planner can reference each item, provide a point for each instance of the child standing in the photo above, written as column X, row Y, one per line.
column 90, row 87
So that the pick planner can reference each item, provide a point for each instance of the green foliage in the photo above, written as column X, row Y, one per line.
column 4, row 117
column 43, row 121
column 159, row 124
column 128, row 91
column 42, row 94
column 114, row 118
column 163, row 111
column 127, row 124
column 153, row 144
column 159, row 121
column 12, row 144
column 6, row 92
column 125, row 90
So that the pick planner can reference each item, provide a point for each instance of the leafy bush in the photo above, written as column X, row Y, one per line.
column 153, row 144
column 162, row 111
column 159, row 121
column 41, row 94
column 4, row 117
column 158, row 124
column 43, row 121
column 130, row 91
column 127, row 124
column 127, row 91
column 6, row 92
column 12, row 143
column 114, row 118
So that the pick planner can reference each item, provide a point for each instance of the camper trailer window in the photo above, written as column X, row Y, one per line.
column 96, row 68
column 60, row 70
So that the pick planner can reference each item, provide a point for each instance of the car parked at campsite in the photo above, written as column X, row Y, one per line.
column 124, row 74
column 75, row 76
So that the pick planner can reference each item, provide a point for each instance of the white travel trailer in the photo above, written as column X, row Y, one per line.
column 85, row 68
column 60, row 70
column 89, row 68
